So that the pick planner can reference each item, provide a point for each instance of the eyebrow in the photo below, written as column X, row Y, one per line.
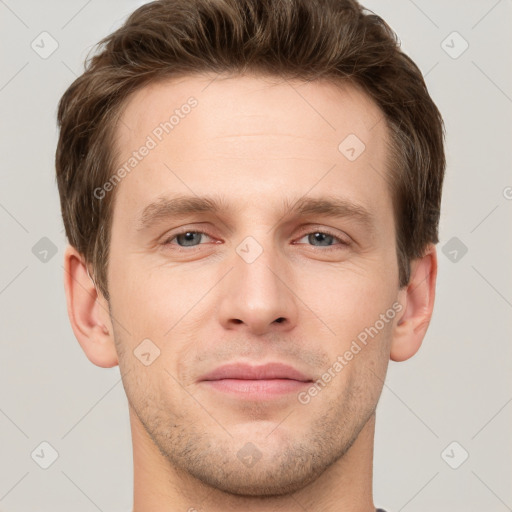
column 336, row 207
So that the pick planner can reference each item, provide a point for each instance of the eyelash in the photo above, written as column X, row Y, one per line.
column 342, row 243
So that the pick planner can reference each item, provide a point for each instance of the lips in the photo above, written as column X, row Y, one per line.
column 243, row 371
column 264, row 383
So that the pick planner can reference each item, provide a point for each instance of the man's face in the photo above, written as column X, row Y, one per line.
column 211, row 298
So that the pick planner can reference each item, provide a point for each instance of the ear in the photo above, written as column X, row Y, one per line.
column 88, row 312
column 417, row 299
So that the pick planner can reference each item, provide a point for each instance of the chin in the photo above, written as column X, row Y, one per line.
column 264, row 484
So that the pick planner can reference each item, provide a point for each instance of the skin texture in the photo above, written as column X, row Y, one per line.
column 254, row 141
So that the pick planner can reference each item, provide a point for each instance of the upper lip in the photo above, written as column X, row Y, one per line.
column 250, row 372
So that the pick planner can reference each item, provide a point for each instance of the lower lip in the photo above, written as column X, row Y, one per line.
column 257, row 389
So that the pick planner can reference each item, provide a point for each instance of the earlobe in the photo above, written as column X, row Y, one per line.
column 88, row 312
column 418, row 301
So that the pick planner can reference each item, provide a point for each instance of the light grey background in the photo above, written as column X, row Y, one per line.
column 458, row 386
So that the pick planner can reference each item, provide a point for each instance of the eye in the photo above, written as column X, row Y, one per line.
column 320, row 238
column 187, row 238
column 324, row 239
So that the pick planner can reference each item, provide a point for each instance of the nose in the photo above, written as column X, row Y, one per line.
column 257, row 297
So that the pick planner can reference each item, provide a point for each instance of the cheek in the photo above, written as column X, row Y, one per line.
column 152, row 300
column 168, row 306
column 351, row 303
column 351, row 296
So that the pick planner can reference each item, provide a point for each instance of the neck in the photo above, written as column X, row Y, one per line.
column 344, row 486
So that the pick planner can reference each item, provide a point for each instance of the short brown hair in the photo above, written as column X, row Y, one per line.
column 336, row 40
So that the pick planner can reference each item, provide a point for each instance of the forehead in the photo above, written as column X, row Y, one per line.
column 251, row 136
column 325, row 109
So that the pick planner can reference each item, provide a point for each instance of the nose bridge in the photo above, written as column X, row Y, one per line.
column 258, row 266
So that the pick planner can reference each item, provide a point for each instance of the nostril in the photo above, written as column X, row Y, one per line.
column 280, row 319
